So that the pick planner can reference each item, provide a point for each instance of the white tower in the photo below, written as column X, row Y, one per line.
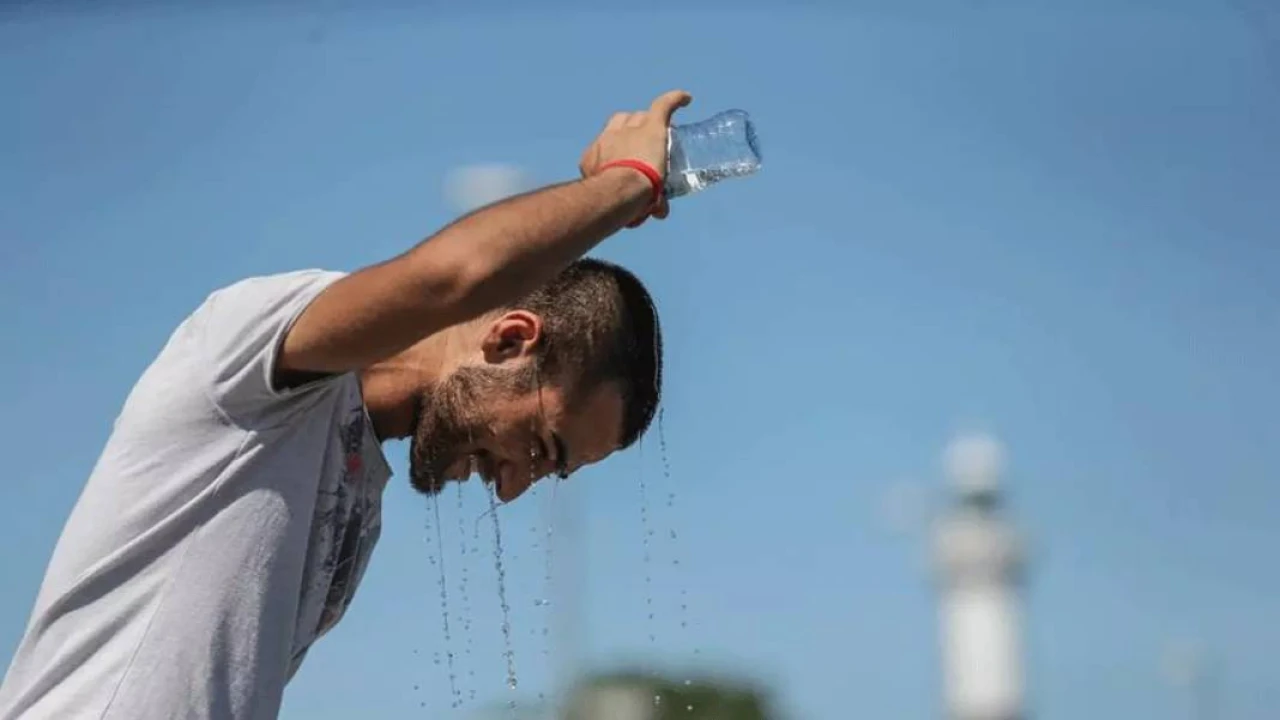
column 979, row 560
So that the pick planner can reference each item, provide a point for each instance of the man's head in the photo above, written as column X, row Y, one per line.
column 558, row 380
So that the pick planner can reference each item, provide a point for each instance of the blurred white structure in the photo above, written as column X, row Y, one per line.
column 979, row 560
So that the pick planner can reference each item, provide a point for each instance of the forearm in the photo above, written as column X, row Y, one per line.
column 476, row 264
column 502, row 252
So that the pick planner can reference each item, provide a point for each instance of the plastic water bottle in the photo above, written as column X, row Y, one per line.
column 703, row 153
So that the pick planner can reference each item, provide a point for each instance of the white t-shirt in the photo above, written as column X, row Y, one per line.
column 224, row 529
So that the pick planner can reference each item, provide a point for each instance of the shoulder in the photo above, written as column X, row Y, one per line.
column 239, row 329
column 273, row 289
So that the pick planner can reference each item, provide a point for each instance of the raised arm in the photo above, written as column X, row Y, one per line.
column 490, row 257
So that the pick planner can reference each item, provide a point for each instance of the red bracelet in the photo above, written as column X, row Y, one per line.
column 655, row 180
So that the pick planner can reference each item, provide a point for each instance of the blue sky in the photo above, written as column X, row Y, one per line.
column 1053, row 225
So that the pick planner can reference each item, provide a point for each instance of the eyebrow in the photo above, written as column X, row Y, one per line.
column 562, row 454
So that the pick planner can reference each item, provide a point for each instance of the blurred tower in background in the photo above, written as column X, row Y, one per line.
column 979, row 560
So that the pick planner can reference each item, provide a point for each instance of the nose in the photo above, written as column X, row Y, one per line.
column 517, row 478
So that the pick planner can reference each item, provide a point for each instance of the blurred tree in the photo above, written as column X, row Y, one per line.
column 646, row 696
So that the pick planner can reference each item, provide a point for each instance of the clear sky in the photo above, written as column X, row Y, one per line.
column 1058, row 226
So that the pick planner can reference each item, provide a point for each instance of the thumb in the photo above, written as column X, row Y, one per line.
column 667, row 103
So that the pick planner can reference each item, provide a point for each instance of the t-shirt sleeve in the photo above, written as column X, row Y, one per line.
column 240, row 330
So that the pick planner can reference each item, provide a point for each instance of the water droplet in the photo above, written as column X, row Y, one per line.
column 673, row 535
column 646, row 533
column 464, row 578
column 508, row 652
column 657, row 700
column 546, row 570
column 688, row 682
column 688, row 708
column 540, row 602
column 662, row 446
column 444, row 599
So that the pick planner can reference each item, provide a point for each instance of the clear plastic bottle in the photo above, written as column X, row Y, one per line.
column 703, row 153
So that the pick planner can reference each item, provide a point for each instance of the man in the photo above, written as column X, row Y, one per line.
column 232, row 513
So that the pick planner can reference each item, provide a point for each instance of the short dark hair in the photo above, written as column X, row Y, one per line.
column 599, row 325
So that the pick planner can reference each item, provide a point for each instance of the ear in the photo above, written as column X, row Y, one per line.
column 513, row 335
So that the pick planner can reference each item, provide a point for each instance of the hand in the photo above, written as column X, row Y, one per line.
column 637, row 136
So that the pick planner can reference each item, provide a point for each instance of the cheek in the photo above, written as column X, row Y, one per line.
column 495, row 435
column 516, row 446
column 481, row 422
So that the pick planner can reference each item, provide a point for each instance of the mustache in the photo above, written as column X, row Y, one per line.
column 430, row 463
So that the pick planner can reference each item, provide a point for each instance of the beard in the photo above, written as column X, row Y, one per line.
column 453, row 416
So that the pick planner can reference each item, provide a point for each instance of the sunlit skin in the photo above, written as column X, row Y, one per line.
column 516, row 435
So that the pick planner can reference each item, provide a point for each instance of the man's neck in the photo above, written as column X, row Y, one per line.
column 393, row 389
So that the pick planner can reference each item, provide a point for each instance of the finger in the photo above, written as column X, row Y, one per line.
column 666, row 104
column 663, row 210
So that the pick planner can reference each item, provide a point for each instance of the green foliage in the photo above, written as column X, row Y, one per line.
column 694, row 699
